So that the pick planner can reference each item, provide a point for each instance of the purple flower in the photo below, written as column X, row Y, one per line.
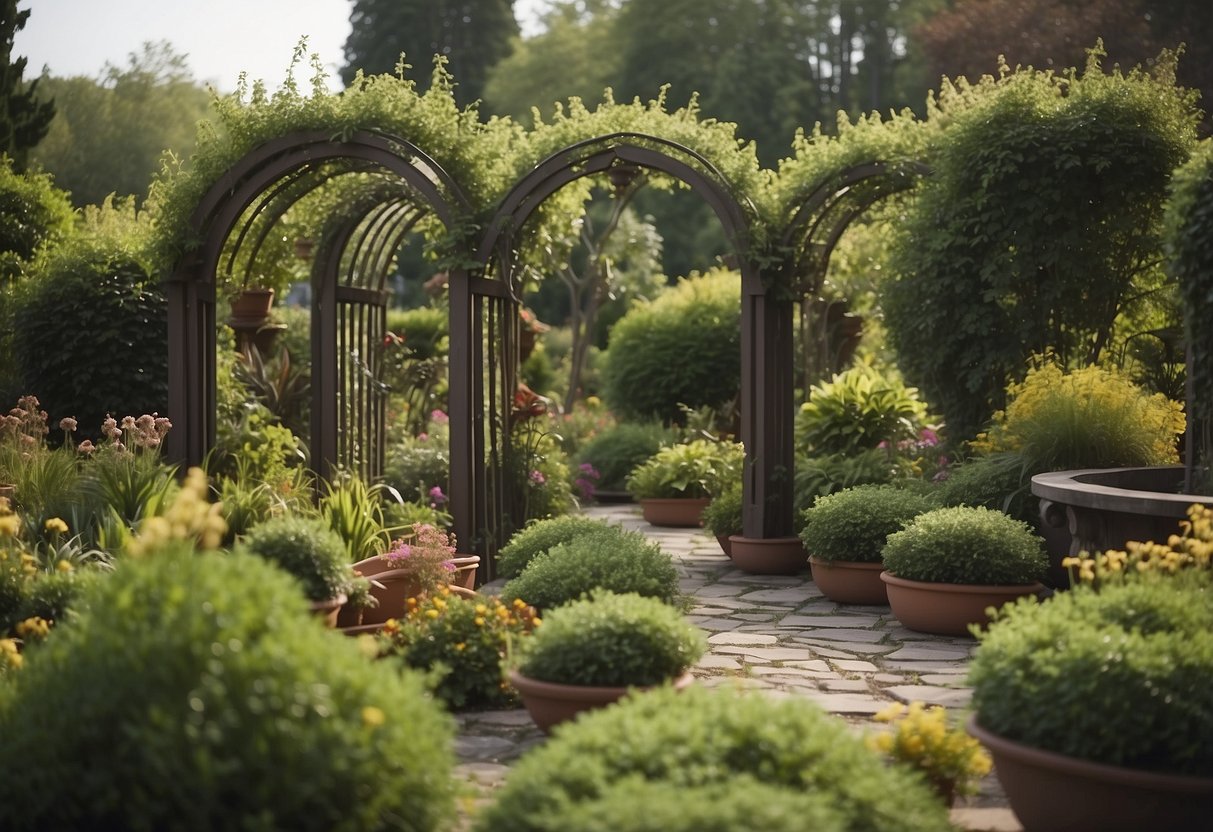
column 538, row 478
column 437, row 498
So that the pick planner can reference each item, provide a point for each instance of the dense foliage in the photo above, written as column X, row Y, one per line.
column 210, row 694
column 1117, row 675
column 24, row 116
column 699, row 468
column 609, row 558
column 854, row 524
column 702, row 738
column 857, row 410
column 966, row 545
column 612, row 640
column 539, row 536
column 618, row 449
column 306, row 548
column 1038, row 228
column 723, row 516
column 684, row 348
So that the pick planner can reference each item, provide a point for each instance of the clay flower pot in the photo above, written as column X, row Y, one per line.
column 391, row 588
column 465, row 571
column 680, row 512
column 328, row 609
column 768, row 556
column 726, row 545
column 1051, row 792
column 948, row 609
column 850, row 581
column 550, row 703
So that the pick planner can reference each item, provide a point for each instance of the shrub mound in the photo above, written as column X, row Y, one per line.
column 194, row 690
column 723, row 516
column 541, row 535
column 609, row 558
column 854, row 524
column 963, row 545
column 1118, row 676
column 619, row 449
column 306, row 548
column 704, row 739
column 612, row 640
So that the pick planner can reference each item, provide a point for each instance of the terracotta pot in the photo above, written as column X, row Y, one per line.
column 947, row 609
column 850, row 581
column 252, row 305
column 390, row 587
column 8, row 492
column 726, row 545
column 681, row 512
column 1051, row 792
column 328, row 609
column 769, row 556
column 550, row 703
column 465, row 571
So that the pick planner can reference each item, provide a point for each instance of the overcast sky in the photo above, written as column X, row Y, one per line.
column 221, row 38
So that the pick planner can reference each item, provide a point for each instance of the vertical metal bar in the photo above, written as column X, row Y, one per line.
column 460, row 368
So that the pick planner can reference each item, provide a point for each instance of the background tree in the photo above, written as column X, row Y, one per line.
column 967, row 38
column 23, row 117
column 472, row 35
column 110, row 133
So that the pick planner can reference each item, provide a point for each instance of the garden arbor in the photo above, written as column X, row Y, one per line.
column 392, row 179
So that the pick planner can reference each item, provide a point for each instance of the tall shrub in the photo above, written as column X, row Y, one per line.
column 1038, row 228
column 682, row 348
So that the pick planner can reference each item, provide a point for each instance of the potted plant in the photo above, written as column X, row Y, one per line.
column 676, row 484
column 845, row 532
column 414, row 565
column 947, row 566
column 1096, row 704
column 722, row 517
column 588, row 653
column 308, row 549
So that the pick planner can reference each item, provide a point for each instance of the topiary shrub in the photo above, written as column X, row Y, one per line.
column 1118, row 676
column 308, row 549
column 619, row 449
column 854, row 524
column 612, row 640
column 964, row 545
column 211, row 695
column 541, row 535
column 700, row 468
column 684, row 348
column 90, row 329
column 705, row 739
column 609, row 558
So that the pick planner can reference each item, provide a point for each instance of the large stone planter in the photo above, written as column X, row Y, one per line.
column 1104, row 508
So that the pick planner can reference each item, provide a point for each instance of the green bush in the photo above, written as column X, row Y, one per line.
column 90, row 331
column 723, row 516
column 964, row 545
column 1039, row 227
column 684, row 348
column 700, row 468
column 856, row 411
column 611, row 640
column 817, row 476
column 306, row 548
column 705, row 739
column 539, row 536
column 415, row 466
column 619, row 449
column 210, row 696
column 854, row 524
column 423, row 328
column 1118, row 676
column 609, row 558
column 997, row 481
column 742, row 804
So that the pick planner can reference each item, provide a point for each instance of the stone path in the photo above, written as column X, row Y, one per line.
column 779, row 635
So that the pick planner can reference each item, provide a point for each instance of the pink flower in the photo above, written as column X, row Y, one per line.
column 67, row 423
column 439, row 418
column 437, row 498
column 163, row 425
column 128, row 422
column 86, row 447
column 538, row 478
column 928, row 437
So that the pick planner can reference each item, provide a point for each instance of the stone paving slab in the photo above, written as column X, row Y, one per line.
column 776, row 635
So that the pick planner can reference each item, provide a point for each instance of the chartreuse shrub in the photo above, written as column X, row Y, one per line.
column 1118, row 675
column 703, row 740
column 194, row 691
column 699, row 468
column 618, row 449
column 723, row 516
column 612, row 640
column 854, row 524
column 541, row 535
column 609, row 558
column 857, row 410
column 966, row 545
column 308, row 549
column 684, row 348
column 1038, row 227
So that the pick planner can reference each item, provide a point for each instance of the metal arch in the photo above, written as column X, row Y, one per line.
column 191, row 285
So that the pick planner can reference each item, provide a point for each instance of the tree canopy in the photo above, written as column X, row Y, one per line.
column 24, row 117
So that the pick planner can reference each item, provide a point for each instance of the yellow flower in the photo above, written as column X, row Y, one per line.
column 10, row 524
column 63, row 566
column 372, row 717
column 56, row 525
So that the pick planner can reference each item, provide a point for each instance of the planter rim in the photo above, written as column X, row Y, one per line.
column 766, row 541
column 333, row 603
column 678, row 500
column 940, row 586
column 1082, row 487
column 1078, row 766
column 579, row 693
column 873, row 565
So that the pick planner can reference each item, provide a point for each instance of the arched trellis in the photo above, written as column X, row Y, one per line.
column 349, row 302
column 766, row 394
